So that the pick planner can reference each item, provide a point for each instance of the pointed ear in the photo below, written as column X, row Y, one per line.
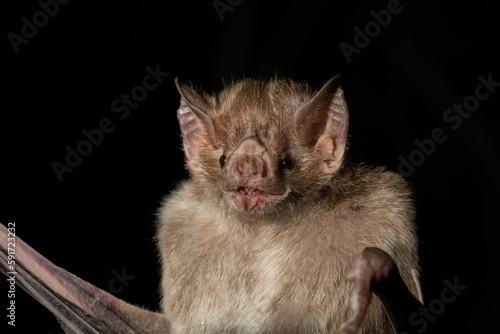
column 322, row 123
column 196, row 127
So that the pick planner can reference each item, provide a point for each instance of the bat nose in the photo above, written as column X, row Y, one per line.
column 250, row 166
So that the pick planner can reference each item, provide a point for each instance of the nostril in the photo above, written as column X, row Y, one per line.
column 263, row 169
column 242, row 165
column 238, row 166
column 254, row 165
column 250, row 165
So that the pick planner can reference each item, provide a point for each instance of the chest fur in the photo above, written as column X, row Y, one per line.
column 256, row 281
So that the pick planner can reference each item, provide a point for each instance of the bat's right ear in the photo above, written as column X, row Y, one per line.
column 197, row 128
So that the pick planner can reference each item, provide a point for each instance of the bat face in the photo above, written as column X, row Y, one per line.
column 262, row 147
column 259, row 150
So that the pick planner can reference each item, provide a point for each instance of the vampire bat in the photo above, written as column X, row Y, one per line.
column 274, row 231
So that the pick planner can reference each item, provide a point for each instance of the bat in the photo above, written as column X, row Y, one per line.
column 275, row 231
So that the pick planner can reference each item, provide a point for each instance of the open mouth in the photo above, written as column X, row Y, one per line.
column 247, row 198
column 248, row 191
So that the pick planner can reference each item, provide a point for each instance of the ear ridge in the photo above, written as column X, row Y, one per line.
column 339, row 116
column 196, row 126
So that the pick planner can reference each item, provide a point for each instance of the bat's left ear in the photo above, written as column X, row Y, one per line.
column 322, row 123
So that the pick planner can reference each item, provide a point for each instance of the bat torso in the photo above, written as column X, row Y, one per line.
column 224, row 274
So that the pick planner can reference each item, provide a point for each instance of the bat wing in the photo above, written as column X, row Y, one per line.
column 375, row 271
column 80, row 307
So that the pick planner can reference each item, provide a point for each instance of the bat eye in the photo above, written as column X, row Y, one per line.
column 286, row 162
column 222, row 161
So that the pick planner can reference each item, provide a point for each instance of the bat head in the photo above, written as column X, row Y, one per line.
column 264, row 146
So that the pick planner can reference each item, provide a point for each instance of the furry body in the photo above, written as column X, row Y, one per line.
column 280, row 268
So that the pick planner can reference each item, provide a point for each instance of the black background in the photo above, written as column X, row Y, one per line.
column 101, row 218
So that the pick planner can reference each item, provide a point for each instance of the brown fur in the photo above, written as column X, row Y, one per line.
column 280, row 269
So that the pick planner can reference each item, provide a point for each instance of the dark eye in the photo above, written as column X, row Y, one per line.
column 286, row 162
column 222, row 161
